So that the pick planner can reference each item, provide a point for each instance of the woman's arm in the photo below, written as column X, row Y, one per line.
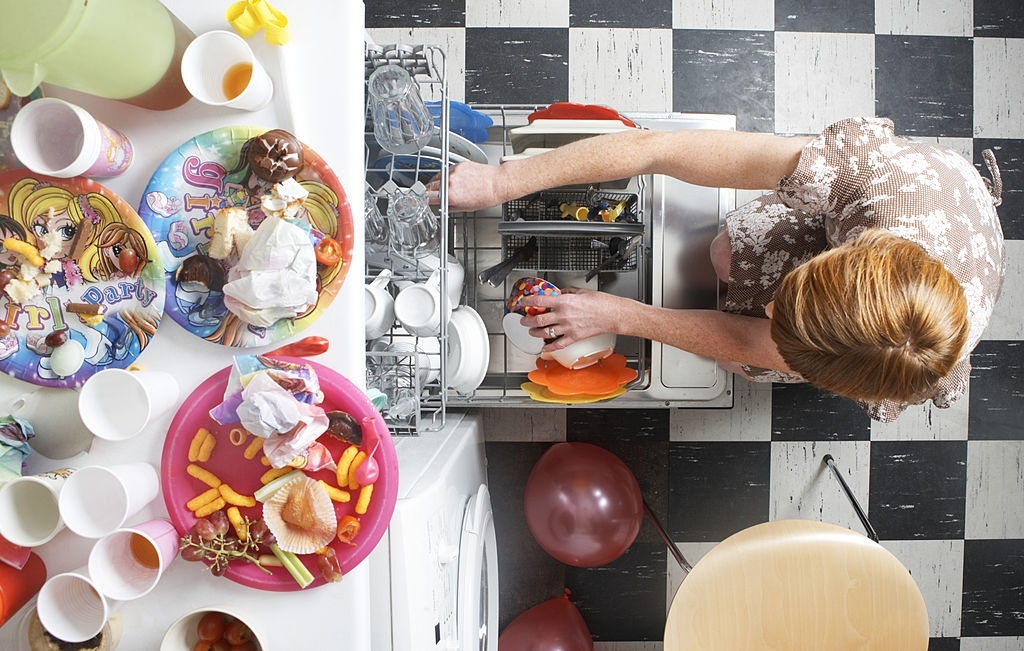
column 702, row 157
column 580, row 313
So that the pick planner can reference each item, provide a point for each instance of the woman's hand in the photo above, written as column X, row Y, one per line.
column 575, row 314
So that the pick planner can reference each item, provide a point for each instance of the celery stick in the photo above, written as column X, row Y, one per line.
column 294, row 566
column 267, row 491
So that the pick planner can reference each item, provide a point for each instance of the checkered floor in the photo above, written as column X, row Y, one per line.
column 944, row 488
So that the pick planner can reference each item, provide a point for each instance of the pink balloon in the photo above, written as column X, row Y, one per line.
column 583, row 504
column 555, row 625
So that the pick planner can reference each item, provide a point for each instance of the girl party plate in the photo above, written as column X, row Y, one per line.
column 102, row 286
column 228, row 462
column 210, row 172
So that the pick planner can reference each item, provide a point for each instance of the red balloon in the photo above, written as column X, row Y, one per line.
column 555, row 625
column 583, row 504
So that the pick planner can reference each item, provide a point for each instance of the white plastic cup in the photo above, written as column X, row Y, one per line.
column 53, row 414
column 128, row 563
column 116, row 404
column 419, row 308
column 96, row 500
column 72, row 608
column 378, row 305
column 29, row 507
column 56, row 138
column 210, row 63
column 585, row 352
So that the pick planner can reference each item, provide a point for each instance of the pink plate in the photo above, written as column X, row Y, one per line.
column 243, row 475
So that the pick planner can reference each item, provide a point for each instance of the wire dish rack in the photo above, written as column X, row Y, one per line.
column 416, row 380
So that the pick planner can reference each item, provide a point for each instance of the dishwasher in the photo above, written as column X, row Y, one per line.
column 674, row 221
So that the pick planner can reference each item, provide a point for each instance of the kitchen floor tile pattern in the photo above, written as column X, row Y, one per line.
column 944, row 488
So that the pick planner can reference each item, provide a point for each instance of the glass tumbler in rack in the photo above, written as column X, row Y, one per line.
column 413, row 226
column 401, row 122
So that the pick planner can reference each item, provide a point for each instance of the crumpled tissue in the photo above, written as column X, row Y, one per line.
column 275, row 277
column 14, row 447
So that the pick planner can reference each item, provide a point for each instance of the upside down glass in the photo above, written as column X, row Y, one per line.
column 401, row 122
column 413, row 225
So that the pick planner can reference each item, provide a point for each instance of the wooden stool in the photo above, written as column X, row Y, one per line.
column 797, row 585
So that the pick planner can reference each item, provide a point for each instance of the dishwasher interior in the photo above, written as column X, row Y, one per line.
column 671, row 267
column 670, row 223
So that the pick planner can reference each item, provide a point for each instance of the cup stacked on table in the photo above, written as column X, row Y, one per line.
column 97, row 502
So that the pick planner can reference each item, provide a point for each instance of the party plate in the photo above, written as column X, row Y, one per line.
column 207, row 173
column 468, row 350
column 107, row 259
column 601, row 378
column 541, row 393
column 231, row 466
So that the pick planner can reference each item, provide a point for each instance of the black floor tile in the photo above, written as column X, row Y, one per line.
column 944, row 644
column 717, row 489
column 918, row 489
column 993, row 588
column 802, row 412
column 402, row 13
column 656, row 14
column 625, row 599
column 825, row 16
column 997, row 391
column 999, row 18
column 925, row 84
column 517, row 66
column 731, row 72
column 1010, row 157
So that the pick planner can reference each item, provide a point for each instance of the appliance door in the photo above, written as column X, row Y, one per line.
column 478, row 577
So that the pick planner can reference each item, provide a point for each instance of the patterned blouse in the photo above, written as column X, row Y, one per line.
column 858, row 175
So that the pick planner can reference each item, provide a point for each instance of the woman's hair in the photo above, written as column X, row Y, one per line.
column 874, row 319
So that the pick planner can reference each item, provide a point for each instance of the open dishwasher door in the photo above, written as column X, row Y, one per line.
column 672, row 268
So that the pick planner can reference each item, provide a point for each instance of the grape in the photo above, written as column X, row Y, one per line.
column 259, row 530
column 220, row 522
column 218, row 569
column 205, row 529
column 192, row 554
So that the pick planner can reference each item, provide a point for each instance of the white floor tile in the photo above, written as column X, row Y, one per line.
column 750, row 418
column 991, row 643
column 1006, row 322
column 450, row 39
column 517, row 13
column 937, row 567
column 998, row 88
column 627, row 69
column 995, row 490
column 715, row 14
column 933, row 18
column 803, row 487
column 926, row 423
column 822, row 78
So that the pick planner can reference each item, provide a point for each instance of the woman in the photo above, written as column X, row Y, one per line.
column 871, row 270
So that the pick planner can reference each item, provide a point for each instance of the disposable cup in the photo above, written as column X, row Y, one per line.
column 53, row 137
column 96, row 500
column 116, row 404
column 220, row 69
column 17, row 586
column 71, row 608
column 128, row 563
column 29, row 511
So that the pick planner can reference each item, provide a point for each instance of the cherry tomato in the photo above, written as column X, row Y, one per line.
column 220, row 645
column 328, row 252
column 237, row 633
column 6, row 276
column 56, row 338
column 211, row 627
column 203, row 645
column 348, row 529
column 245, row 646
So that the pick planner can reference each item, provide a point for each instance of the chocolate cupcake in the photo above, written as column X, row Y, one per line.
column 275, row 155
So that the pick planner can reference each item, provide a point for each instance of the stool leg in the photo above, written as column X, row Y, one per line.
column 830, row 462
column 678, row 555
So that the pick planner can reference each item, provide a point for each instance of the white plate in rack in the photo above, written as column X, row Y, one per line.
column 468, row 350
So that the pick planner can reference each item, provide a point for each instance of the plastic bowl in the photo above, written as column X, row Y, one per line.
column 183, row 635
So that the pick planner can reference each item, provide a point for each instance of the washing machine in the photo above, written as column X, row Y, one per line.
column 434, row 575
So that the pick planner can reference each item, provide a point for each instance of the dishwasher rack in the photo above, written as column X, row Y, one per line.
column 566, row 249
column 423, row 399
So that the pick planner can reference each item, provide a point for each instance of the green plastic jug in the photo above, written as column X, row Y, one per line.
column 127, row 50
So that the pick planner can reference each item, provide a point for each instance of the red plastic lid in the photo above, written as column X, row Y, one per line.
column 574, row 111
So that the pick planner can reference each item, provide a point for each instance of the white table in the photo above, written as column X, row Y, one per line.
column 319, row 97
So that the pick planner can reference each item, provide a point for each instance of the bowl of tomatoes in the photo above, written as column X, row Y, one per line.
column 211, row 629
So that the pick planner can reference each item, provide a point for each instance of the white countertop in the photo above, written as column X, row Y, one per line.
column 318, row 96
